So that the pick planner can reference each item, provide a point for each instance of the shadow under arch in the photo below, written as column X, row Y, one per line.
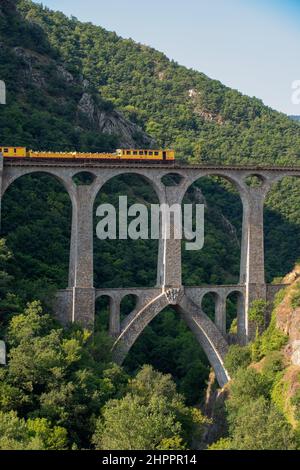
column 282, row 227
column 36, row 221
column 207, row 334
column 128, row 304
column 209, row 303
column 102, row 313
column 235, row 304
column 219, row 260
column 169, row 346
column 153, row 182
column 125, row 262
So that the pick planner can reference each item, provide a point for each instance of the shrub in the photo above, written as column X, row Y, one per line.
column 296, row 403
column 247, row 386
column 295, row 299
column 272, row 339
column 273, row 365
column 222, row 444
column 260, row 426
column 279, row 394
column 257, row 312
column 237, row 357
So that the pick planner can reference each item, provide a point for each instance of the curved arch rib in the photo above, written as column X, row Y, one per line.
column 204, row 329
column 208, row 335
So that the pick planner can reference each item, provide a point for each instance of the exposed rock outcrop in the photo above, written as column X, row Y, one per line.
column 200, row 110
column 35, row 71
column 113, row 123
column 288, row 316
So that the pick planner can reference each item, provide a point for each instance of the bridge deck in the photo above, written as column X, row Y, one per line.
column 171, row 166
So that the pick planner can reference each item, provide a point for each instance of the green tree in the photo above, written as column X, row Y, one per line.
column 158, row 417
column 149, row 425
column 34, row 434
column 260, row 426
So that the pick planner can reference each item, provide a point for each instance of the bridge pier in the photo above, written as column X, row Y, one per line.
column 169, row 253
column 252, row 272
column 114, row 317
column 1, row 177
column 81, row 270
column 220, row 314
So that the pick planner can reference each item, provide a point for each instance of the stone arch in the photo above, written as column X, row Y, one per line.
column 103, row 304
column 281, row 225
column 114, row 301
column 172, row 179
column 229, row 176
column 13, row 175
column 10, row 175
column 209, row 302
column 83, row 178
column 216, row 310
column 107, row 176
column 205, row 331
column 152, row 196
column 128, row 304
column 229, row 230
column 235, row 302
column 254, row 179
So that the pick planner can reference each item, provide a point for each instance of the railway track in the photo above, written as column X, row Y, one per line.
column 14, row 162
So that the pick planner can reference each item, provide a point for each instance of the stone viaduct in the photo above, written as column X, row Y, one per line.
column 77, row 302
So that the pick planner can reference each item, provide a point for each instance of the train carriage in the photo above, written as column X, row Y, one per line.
column 130, row 155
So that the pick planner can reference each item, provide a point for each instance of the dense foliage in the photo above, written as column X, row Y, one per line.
column 263, row 398
column 60, row 391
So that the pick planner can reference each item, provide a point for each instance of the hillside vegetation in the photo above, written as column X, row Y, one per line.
column 262, row 406
column 201, row 118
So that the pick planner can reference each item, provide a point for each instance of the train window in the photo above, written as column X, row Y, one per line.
column 15, row 150
column 141, row 152
column 150, row 153
column 128, row 152
column 5, row 150
column 134, row 152
column 156, row 153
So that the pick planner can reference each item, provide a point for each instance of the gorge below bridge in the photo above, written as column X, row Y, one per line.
column 76, row 303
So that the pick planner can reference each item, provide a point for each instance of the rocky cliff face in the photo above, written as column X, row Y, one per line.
column 113, row 123
column 35, row 71
column 288, row 316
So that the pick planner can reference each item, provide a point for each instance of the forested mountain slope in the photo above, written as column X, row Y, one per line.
column 200, row 117
column 47, row 105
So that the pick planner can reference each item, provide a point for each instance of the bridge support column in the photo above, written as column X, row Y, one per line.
column 169, row 255
column 81, row 258
column 252, row 259
column 1, row 176
column 220, row 314
column 114, row 317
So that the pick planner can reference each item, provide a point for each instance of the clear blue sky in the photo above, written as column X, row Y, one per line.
column 250, row 45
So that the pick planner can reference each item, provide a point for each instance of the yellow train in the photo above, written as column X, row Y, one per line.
column 120, row 154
